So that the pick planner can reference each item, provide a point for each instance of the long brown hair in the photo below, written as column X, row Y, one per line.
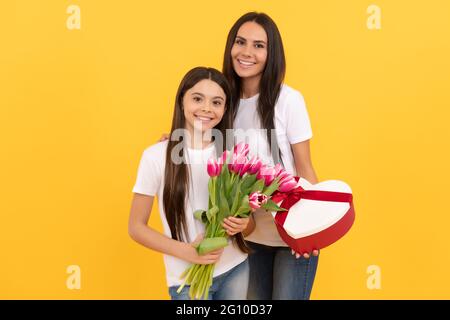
column 272, row 77
column 176, row 178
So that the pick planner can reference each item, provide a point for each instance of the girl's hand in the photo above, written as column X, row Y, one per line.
column 164, row 137
column 233, row 225
column 305, row 255
column 192, row 255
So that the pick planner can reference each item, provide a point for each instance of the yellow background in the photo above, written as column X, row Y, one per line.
column 78, row 107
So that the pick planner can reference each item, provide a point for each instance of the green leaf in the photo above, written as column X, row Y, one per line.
column 248, row 180
column 211, row 231
column 200, row 215
column 235, row 188
column 211, row 213
column 272, row 188
column 211, row 189
column 223, row 206
column 258, row 186
column 272, row 206
column 219, row 183
column 244, row 209
column 211, row 244
column 236, row 201
column 226, row 178
column 243, row 213
column 247, row 183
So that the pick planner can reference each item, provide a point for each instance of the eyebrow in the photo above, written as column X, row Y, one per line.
column 256, row 41
column 201, row 94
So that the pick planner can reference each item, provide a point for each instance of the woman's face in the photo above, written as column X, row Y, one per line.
column 204, row 105
column 249, row 51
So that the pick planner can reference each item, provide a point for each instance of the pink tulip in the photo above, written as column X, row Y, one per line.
column 278, row 169
column 241, row 148
column 287, row 184
column 247, row 167
column 237, row 162
column 283, row 175
column 266, row 173
column 257, row 199
column 223, row 159
column 286, row 180
column 213, row 167
column 256, row 165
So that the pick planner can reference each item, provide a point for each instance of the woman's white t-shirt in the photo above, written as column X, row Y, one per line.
column 150, row 181
column 292, row 126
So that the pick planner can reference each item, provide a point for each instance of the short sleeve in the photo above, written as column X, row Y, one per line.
column 298, row 126
column 149, row 174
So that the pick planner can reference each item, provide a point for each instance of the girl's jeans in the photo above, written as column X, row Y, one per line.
column 231, row 285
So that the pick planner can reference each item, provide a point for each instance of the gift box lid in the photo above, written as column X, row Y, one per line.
column 307, row 217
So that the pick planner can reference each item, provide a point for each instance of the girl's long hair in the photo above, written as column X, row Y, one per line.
column 272, row 77
column 176, row 177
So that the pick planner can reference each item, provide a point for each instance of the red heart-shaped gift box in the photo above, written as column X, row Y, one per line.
column 318, row 215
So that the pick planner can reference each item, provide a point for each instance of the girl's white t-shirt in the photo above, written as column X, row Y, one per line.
column 292, row 126
column 150, row 181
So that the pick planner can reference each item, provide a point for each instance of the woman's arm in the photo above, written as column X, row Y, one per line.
column 164, row 137
column 140, row 232
column 250, row 226
column 302, row 159
column 304, row 167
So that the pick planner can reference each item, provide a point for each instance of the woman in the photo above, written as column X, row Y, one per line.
column 254, row 65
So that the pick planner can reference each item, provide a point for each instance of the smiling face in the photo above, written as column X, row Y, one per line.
column 249, row 51
column 204, row 106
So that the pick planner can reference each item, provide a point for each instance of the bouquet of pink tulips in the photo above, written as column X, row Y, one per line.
column 236, row 185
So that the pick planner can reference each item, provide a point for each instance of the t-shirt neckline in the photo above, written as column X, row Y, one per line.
column 207, row 148
column 250, row 99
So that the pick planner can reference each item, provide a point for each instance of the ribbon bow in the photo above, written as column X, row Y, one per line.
column 288, row 199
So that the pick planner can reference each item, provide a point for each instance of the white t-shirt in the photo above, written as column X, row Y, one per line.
column 150, row 181
column 292, row 126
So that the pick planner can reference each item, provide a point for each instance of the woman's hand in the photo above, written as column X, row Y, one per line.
column 233, row 225
column 191, row 254
column 305, row 255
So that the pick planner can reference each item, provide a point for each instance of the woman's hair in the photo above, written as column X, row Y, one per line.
column 176, row 178
column 272, row 77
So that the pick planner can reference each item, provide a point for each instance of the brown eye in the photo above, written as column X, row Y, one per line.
column 197, row 99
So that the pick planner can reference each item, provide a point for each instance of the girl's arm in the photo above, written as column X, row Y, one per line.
column 140, row 232
column 304, row 167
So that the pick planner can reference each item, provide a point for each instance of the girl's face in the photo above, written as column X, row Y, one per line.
column 249, row 51
column 204, row 105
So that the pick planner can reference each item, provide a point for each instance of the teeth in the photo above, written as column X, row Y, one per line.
column 203, row 118
column 245, row 63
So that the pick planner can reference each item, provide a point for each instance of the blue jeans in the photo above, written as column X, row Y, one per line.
column 231, row 285
column 275, row 274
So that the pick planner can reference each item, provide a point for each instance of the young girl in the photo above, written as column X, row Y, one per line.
column 254, row 65
column 176, row 173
